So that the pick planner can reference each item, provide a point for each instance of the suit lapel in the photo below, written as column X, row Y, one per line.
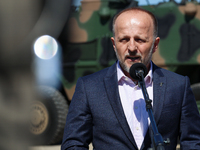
column 111, row 86
column 159, row 86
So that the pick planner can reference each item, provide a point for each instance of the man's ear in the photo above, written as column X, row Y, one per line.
column 156, row 44
column 113, row 42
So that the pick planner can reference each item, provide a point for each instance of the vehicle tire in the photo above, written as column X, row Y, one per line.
column 48, row 115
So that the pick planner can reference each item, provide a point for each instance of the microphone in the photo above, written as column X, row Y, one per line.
column 137, row 71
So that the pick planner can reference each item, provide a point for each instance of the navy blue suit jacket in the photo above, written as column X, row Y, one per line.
column 96, row 114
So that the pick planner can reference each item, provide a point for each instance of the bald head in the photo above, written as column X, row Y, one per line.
column 135, row 37
column 135, row 11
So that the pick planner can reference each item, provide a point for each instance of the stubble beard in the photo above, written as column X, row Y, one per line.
column 126, row 68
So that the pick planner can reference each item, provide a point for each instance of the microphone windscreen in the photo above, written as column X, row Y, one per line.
column 136, row 67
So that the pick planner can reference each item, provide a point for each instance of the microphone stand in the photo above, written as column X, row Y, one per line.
column 158, row 143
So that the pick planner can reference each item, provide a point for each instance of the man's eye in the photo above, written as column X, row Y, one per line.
column 124, row 40
column 140, row 40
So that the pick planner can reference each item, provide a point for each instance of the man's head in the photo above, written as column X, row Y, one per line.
column 135, row 37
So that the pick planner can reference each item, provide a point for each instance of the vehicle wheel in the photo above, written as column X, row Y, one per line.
column 48, row 115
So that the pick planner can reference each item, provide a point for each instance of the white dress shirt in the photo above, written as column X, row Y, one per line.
column 134, row 105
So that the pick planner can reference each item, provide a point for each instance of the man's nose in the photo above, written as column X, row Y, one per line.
column 132, row 46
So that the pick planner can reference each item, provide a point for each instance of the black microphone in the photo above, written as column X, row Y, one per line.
column 137, row 71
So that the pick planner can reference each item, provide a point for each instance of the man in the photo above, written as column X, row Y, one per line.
column 108, row 108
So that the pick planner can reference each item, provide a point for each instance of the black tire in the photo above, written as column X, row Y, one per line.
column 196, row 91
column 48, row 117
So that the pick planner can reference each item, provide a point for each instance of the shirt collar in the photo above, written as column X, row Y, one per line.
column 121, row 76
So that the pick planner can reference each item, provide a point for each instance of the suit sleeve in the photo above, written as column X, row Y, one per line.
column 190, row 121
column 78, row 128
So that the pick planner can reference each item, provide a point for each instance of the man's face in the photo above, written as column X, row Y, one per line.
column 134, row 40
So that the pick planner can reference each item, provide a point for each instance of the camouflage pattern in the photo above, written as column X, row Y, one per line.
column 179, row 31
column 89, row 47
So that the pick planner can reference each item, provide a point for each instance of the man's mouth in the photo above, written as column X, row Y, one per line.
column 135, row 58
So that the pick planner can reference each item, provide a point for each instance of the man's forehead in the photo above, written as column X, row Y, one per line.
column 134, row 17
column 130, row 20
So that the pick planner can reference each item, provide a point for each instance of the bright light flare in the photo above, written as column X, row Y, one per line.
column 45, row 47
column 47, row 61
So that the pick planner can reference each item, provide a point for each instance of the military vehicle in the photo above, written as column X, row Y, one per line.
column 86, row 48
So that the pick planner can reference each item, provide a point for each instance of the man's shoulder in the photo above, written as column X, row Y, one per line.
column 167, row 73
